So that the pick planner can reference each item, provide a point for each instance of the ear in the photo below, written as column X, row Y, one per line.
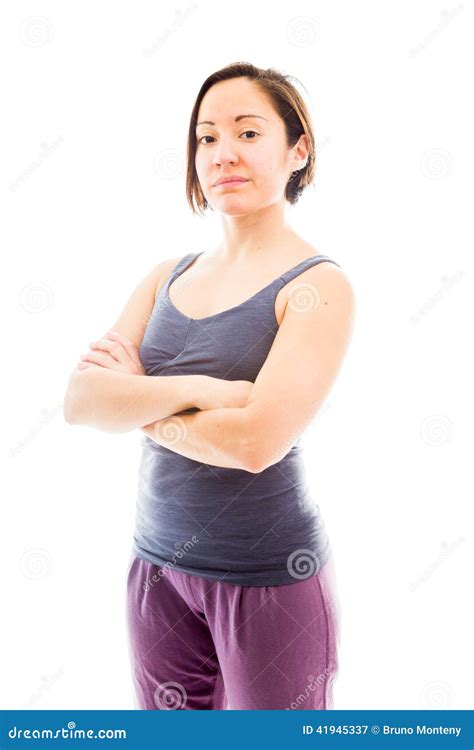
column 301, row 152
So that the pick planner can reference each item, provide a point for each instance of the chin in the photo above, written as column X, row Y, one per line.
column 235, row 211
column 232, row 206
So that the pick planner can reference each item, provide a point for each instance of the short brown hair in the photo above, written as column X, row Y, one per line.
column 289, row 104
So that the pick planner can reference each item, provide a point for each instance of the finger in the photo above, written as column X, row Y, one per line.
column 115, row 349
column 128, row 345
column 100, row 358
column 85, row 365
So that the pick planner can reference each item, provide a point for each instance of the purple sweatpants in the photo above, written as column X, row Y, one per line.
column 195, row 643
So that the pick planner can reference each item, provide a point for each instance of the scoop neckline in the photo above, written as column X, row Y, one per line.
column 176, row 275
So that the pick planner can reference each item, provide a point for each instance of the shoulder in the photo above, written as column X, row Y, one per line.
column 330, row 277
column 324, row 283
column 164, row 269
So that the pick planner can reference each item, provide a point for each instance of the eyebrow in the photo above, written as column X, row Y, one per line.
column 239, row 117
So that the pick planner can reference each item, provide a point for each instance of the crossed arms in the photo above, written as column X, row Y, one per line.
column 257, row 426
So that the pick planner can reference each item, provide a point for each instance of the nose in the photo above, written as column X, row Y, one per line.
column 225, row 152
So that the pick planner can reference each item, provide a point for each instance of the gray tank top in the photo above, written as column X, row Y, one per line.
column 225, row 524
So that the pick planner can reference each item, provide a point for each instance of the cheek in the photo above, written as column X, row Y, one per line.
column 269, row 175
column 269, row 166
column 202, row 166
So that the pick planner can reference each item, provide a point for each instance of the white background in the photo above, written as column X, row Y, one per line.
column 96, row 102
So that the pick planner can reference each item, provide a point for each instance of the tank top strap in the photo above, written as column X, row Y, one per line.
column 304, row 265
column 182, row 265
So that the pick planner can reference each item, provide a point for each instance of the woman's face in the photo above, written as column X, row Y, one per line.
column 253, row 148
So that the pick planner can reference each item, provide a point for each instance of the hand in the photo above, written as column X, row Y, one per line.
column 219, row 394
column 115, row 352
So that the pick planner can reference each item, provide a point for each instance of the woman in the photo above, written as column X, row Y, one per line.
column 232, row 598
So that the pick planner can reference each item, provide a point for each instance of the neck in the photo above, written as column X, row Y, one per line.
column 259, row 233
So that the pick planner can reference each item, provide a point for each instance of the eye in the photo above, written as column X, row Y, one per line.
column 204, row 136
column 244, row 133
column 249, row 131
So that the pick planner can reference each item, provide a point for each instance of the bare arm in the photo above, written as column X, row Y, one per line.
column 219, row 437
column 118, row 402
column 121, row 401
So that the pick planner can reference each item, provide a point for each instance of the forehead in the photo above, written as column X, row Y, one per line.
column 227, row 99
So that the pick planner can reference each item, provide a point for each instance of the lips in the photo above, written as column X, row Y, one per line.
column 225, row 180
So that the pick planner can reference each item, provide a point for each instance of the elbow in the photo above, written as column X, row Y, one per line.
column 262, row 447
column 255, row 455
column 69, row 413
column 254, row 465
column 261, row 460
column 73, row 397
column 257, row 462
